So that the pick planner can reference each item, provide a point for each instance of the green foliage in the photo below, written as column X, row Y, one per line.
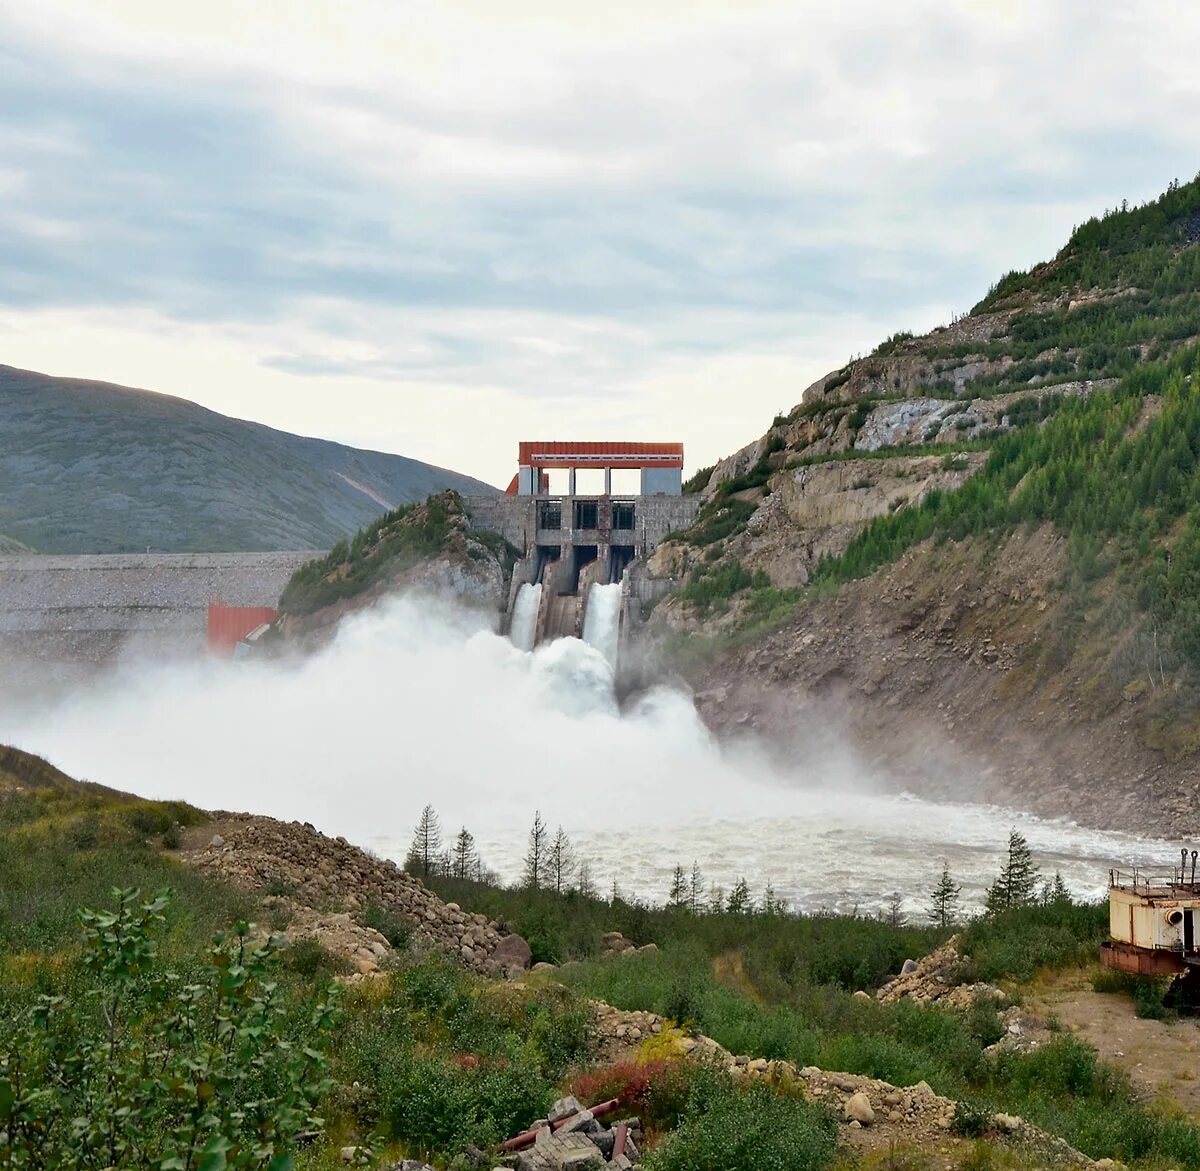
column 718, row 519
column 65, row 844
column 393, row 926
column 140, row 1068
column 698, row 481
column 753, row 1129
column 1138, row 247
column 713, row 585
column 389, row 545
column 1100, row 479
column 1016, row 944
column 1016, row 885
column 454, row 1061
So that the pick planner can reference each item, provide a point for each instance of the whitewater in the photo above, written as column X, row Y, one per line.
column 416, row 702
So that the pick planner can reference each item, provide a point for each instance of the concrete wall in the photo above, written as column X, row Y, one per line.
column 516, row 518
column 68, row 614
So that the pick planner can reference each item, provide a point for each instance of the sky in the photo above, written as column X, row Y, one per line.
column 441, row 228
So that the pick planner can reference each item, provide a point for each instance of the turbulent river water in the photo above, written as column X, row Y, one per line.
column 415, row 703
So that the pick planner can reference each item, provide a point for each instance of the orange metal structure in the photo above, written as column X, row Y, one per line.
column 560, row 454
column 228, row 625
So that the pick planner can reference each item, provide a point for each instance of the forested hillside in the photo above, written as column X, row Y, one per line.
column 1066, row 401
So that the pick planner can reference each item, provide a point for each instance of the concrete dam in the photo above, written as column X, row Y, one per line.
column 62, row 617
column 573, row 580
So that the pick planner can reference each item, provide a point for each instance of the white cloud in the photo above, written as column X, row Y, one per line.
column 477, row 220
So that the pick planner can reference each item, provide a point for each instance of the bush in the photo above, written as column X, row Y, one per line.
column 141, row 1067
column 756, row 1129
column 310, row 959
column 393, row 926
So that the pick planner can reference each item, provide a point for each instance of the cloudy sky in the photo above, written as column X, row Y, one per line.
column 438, row 228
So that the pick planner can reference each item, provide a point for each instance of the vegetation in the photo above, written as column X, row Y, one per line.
column 725, row 1127
column 136, row 1067
column 391, row 544
column 1120, row 481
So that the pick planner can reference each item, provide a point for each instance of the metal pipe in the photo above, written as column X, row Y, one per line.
column 619, row 1140
column 527, row 1137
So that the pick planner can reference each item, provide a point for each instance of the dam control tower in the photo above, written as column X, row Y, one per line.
column 573, row 539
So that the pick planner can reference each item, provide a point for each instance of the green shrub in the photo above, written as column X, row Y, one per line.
column 393, row 926
column 139, row 1067
column 755, row 1129
column 310, row 959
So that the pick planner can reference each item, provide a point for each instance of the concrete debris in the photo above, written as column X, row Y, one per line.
column 574, row 1138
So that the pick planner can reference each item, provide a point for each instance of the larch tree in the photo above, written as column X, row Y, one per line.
column 537, row 854
column 696, row 890
column 426, row 844
column 740, row 902
column 560, row 861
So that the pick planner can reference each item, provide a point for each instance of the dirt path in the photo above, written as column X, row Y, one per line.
column 1161, row 1057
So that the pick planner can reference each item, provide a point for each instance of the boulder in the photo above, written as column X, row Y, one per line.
column 513, row 953
column 858, row 1109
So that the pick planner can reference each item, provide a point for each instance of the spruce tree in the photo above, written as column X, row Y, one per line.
column 426, row 844
column 943, row 901
column 895, row 911
column 1017, row 883
column 536, row 854
column 466, row 861
column 678, row 898
column 740, row 902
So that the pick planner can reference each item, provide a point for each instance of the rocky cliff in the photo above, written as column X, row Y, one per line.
column 968, row 553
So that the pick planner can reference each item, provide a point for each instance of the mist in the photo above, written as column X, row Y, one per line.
column 418, row 702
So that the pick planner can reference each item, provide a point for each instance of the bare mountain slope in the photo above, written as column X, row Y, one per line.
column 88, row 467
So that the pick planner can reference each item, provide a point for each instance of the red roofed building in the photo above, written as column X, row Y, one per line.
column 661, row 465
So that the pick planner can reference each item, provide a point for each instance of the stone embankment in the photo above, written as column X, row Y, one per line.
column 327, row 887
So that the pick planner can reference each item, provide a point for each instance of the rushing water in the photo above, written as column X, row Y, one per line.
column 414, row 703
column 602, row 621
column 524, row 616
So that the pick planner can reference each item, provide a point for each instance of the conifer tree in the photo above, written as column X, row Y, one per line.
column 895, row 911
column 536, row 854
column 1017, row 883
column 560, row 861
column 716, row 899
column 678, row 898
column 583, row 880
column 426, row 844
column 740, row 902
column 465, row 864
column 695, row 890
column 943, row 901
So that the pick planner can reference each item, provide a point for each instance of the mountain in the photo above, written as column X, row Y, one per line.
column 89, row 467
column 976, row 553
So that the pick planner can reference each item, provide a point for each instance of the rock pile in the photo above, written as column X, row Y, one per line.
column 308, row 872
column 935, row 980
column 574, row 1138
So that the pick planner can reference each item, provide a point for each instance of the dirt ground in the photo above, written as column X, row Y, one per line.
column 1161, row 1057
